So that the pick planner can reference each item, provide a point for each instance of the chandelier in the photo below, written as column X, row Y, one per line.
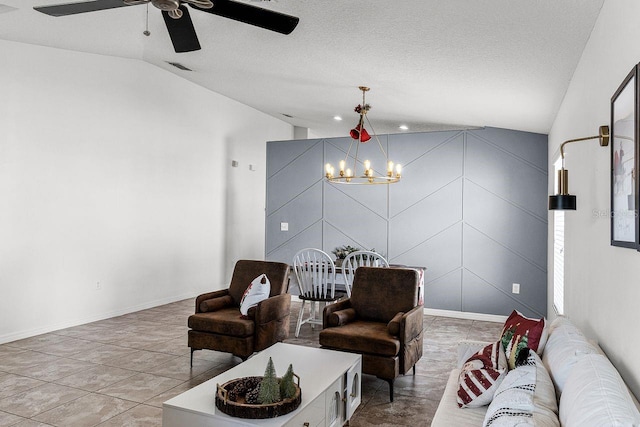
column 360, row 136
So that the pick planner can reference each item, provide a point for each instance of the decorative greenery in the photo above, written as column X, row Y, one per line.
column 341, row 252
column 269, row 387
column 287, row 386
column 360, row 108
column 506, row 337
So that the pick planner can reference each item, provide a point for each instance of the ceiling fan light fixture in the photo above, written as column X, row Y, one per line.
column 167, row 5
column 181, row 31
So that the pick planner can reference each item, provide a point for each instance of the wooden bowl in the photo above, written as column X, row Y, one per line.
column 241, row 409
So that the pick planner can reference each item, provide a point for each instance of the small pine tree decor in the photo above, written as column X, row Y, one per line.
column 269, row 387
column 287, row 387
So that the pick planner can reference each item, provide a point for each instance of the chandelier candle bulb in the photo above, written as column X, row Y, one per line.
column 398, row 170
column 329, row 170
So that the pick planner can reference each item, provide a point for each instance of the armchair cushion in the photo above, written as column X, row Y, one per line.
column 214, row 304
column 362, row 337
column 342, row 317
column 247, row 270
column 226, row 321
column 378, row 294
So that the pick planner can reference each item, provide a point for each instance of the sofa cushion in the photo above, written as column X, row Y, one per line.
column 565, row 346
column 481, row 375
column 522, row 332
column 525, row 397
column 226, row 321
column 361, row 337
column 595, row 395
column 449, row 414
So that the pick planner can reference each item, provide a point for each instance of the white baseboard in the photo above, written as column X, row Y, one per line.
column 18, row 335
column 466, row 315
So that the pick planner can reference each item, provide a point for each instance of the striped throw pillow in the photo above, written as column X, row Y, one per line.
column 481, row 375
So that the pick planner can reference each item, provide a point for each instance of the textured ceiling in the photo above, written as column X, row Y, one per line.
column 431, row 64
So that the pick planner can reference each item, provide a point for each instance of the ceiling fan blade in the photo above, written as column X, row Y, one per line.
column 263, row 18
column 82, row 7
column 183, row 35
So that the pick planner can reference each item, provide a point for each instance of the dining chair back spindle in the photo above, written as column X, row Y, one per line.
column 359, row 259
column 315, row 276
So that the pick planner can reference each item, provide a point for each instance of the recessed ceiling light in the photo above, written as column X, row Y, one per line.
column 337, row 118
column 403, row 127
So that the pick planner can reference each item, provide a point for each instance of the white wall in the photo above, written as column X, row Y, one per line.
column 602, row 285
column 115, row 171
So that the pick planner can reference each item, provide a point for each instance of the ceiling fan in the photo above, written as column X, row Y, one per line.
column 177, row 19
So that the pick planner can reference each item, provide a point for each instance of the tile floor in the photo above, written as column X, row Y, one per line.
column 117, row 372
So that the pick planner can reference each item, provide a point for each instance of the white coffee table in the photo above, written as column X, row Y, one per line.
column 330, row 383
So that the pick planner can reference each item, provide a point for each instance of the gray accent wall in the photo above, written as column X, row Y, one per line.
column 471, row 207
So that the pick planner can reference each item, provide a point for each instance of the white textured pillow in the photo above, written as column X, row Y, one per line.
column 525, row 398
column 565, row 346
column 595, row 395
column 545, row 412
column 256, row 291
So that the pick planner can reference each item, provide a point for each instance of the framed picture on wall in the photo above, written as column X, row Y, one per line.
column 624, row 136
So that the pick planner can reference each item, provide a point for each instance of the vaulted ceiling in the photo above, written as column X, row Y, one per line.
column 431, row 64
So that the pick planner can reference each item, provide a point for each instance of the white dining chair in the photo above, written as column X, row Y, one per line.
column 359, row 259
column 316, row 276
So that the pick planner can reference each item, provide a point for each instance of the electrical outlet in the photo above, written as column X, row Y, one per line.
column 98, row 286
column 515, row 288
column 284, row 226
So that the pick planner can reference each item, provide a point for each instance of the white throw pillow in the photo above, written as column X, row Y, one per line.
column 595, row 395
column 256, row 292
column 526, row 397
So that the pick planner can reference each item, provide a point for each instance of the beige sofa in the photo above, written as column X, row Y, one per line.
column 575, row 385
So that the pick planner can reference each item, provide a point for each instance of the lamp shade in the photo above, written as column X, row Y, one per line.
column 562, row 202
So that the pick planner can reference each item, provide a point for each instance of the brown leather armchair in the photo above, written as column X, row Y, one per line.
column 218, row 324
column 382, row 321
